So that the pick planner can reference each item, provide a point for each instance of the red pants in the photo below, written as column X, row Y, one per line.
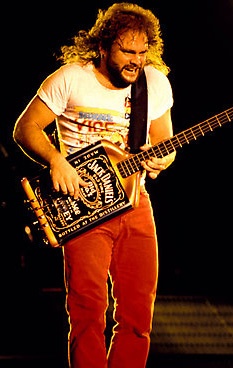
column 125, row 248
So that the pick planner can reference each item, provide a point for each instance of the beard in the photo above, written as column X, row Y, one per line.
column 116, row 76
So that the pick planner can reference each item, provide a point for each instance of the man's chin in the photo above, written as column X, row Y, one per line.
column 130, row 77
column 125, row 79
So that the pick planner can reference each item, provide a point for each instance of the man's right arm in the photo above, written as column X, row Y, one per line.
column 30, row 136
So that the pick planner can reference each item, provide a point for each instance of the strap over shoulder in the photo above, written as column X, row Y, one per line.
column 138, row 116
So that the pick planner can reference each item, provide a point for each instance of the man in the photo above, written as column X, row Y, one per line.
column 89, row 97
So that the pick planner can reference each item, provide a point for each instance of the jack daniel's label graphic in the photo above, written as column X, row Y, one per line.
column 102, row 199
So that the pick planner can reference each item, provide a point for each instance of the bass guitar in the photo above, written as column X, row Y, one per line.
column 114, row 184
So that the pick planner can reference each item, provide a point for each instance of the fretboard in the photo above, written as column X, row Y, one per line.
column 133, row 164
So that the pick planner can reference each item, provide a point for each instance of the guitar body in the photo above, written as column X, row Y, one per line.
column 108, row 194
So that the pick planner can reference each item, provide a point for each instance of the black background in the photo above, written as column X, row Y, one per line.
column 192, row 200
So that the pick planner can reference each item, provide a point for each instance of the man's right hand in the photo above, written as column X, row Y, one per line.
column 65, row 177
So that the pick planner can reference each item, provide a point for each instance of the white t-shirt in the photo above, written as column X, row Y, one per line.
column 87, row 111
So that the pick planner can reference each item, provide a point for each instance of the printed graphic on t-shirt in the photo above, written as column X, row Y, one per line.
column 82, row 126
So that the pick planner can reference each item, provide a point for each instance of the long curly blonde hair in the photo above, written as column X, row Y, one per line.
column 118, row 18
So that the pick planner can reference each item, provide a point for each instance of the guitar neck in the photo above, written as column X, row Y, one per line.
column 133, row 164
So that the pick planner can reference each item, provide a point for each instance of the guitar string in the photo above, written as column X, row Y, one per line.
column 177, row 141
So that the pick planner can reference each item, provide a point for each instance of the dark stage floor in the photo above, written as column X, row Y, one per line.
column 188, row 331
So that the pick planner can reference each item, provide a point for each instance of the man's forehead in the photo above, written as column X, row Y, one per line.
column 132, row 37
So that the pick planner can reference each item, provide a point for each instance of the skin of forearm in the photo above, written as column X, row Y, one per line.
column 36, row 145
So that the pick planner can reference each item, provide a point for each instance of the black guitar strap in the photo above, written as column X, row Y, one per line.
column 138, row 115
